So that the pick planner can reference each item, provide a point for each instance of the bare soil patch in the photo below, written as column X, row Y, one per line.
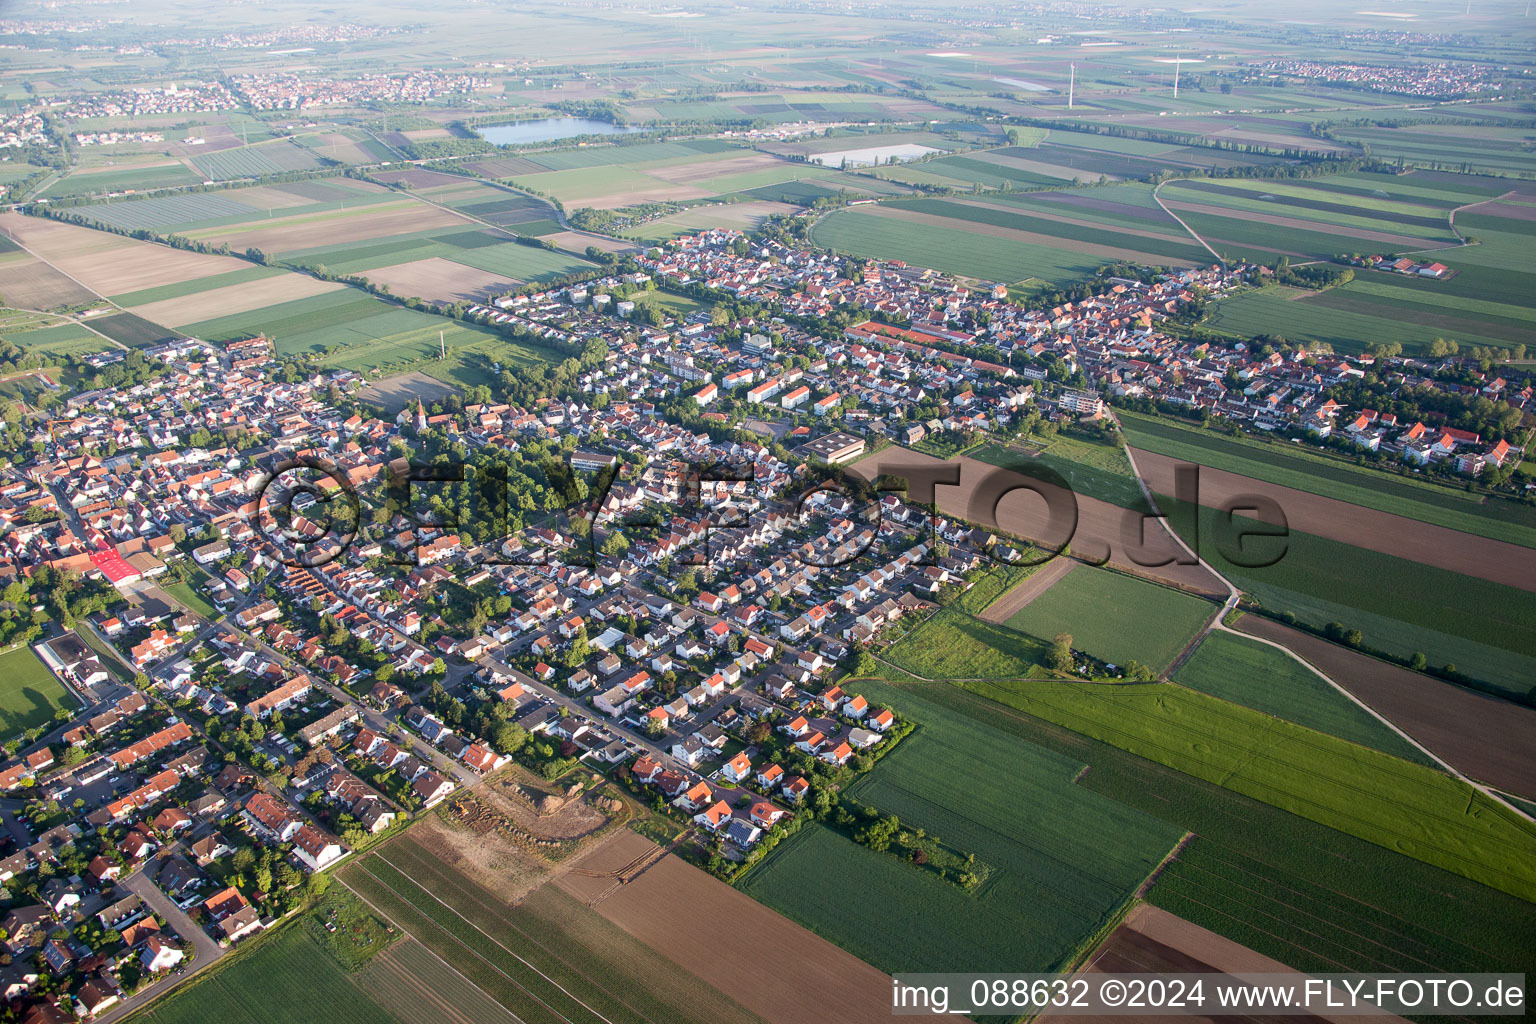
column 577, row 241
column 441, row 280
column 30, row 283
column 481, row 855
column 782, row 972
column 237, row 298
column 394, row 393
column 416, row 177
column 688, row 173
column 1027, row 237
column 111, row 264
column 661, row 193
column 352, row 225
column 1007, row 501
column 1153, row 941
column 1484, row 737
column 1483, row 557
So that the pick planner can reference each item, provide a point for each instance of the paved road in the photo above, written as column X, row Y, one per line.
column 208, row 951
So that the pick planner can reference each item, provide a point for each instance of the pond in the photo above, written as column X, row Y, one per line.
column 550, row 129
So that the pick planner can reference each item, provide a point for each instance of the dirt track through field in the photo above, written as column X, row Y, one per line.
column 1016, row 600
column 1488, row 739
column 990, row 497
column 766, row 962
column 1495, row 560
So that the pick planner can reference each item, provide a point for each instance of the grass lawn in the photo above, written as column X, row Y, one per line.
column 188, row 596
column 30, row 695
column 1256, row 675
column 1115, row 617
column 953, row 645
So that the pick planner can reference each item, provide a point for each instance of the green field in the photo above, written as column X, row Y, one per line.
column 1296, row 466
column 1062, row 860
column 197, row 284
column 502, row 949
column 1258, row 676
column 1394, row 803
column 276, row 979
column 30, row 694
column 1401, row 606
column 188, row 596
column 128, row 179
column 1115, row 617
column 62, row 340
column 357, row 331
column 954, row 645
column 955, row 250
column 1090, row 468
column 1308, row 895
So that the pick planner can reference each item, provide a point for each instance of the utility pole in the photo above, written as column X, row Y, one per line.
column 1071, row 85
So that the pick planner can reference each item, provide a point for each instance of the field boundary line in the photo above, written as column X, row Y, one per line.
column 495, row 942
column 1487, row 791
column 433, row 953
column 1164, row 206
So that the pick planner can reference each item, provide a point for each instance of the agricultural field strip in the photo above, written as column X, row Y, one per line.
column 1315, row 794
column 384, row 888
column 1365, row 487
column 1225, row 820
column 423, row 865
column 1339, row 237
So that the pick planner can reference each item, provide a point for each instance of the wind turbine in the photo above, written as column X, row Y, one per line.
column 1179, row 61
column 1071, row 85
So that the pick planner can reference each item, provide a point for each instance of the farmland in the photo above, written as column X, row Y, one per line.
column 1298, row 467
column 953, row 644
column 582, row 970
column 1388, row 801
column 102, row 181
column 1311, row 896
column 30, row 694
column 1115, row 617
column 58, row 341
column 1265, row 679
column 1062, row 860
column 1486, row 301
column 1473, row 624
column 279, row 978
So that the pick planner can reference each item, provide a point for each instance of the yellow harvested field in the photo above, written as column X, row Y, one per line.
column 111, row 264
column 337, row 226
column 732, row 215
column 441, row 280
column 577, row 241
column 236, row 298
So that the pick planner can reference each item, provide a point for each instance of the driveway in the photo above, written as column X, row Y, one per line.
column 208, row 951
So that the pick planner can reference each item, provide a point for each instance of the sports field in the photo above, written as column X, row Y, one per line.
column 1258, row 676
column 1115, row 617
column 1062, row 860
column 30, row 695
